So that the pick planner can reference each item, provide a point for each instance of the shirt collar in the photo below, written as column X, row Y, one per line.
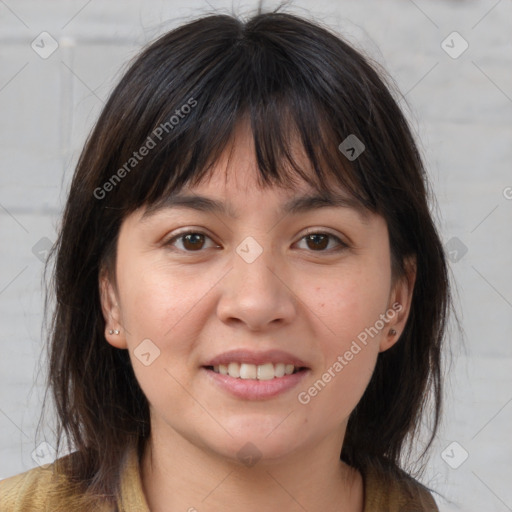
column 132, row 498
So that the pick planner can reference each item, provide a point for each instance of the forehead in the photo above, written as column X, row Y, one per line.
column 229, row 197
column 234, row 183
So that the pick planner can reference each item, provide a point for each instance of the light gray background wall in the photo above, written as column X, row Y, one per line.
column 460, row 106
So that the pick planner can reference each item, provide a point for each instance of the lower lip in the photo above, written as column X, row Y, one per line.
column 252, row 389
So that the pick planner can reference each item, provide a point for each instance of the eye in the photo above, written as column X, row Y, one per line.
column 194, row 241
column 318, row 241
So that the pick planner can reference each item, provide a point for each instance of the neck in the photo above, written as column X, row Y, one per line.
column 177, row 475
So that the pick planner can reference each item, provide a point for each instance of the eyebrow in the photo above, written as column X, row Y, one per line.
column 294, row 206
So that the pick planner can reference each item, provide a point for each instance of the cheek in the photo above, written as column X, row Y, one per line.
column 161, row 305
column 158, row 299
column 352, row 303
column 168, row 306
column 349, row 354
column 334, row 393
column 350, row 308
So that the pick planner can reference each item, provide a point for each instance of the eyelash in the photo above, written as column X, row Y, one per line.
column 180, row 235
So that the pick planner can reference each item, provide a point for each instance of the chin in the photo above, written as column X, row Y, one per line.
column 249, row 446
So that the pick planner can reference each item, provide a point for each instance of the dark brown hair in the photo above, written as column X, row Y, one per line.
column 292, row 79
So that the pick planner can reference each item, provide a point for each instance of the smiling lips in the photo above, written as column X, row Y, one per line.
column 256, row 375
column 265, row 371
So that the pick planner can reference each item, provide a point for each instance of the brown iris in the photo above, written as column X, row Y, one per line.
column 318, row 237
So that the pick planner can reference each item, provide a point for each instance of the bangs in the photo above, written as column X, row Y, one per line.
column 188, row 104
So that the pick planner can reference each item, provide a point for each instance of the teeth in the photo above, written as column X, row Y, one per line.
column 248, row 371
column 279, row 369
column 234, row 370
column 265, row 371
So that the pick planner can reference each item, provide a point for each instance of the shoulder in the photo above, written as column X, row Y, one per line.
column 393, row 490
column 25, row 491
column 41, row 489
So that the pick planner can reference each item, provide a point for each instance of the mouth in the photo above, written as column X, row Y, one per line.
column 255, row 376
column 247, row 371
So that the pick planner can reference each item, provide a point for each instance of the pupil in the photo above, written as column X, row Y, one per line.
column 319, row 241
column 192, row 236
column 315, row 237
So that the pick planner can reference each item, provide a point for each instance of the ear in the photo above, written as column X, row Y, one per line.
column 399, row 303
column 111, row 312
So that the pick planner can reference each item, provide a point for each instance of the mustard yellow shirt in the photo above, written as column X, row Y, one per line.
column 30, row 492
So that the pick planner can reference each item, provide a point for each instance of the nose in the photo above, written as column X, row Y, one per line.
column 257, row 293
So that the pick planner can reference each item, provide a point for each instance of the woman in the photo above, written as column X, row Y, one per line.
column 251, row 292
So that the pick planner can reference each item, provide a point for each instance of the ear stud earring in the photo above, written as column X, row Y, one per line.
column 112, row 331
column 392, row 332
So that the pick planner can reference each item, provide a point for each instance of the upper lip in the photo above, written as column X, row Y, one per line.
column 256, row 358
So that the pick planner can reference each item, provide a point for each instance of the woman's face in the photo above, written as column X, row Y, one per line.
column 253, row 294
